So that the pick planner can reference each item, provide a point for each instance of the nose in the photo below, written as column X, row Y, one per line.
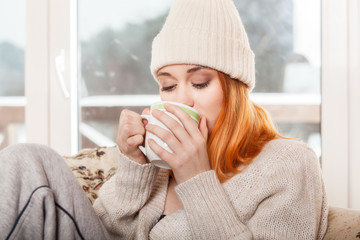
column 186, row 97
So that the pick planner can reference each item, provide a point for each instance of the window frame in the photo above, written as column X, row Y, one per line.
column 51, row 116
column 339, row 114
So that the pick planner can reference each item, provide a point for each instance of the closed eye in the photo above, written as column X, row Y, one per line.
column 168, row 88
column 201, row 85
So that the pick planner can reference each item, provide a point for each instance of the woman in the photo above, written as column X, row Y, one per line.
column 233, row 176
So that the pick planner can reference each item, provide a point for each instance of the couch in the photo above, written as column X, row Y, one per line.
column 93, row 167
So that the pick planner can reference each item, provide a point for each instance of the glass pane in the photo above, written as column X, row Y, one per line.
column 115, row 59
column 115, row 41
column 307, row 132
column 285, row 37
column 100, row 124
column 12, row 100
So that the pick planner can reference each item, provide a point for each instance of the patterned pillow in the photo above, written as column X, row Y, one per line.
column 93, row 167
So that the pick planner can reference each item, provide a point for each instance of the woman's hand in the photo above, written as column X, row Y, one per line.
column 131, row 134
column 189, row 143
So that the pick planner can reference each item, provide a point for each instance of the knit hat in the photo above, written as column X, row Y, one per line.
column 207, row 33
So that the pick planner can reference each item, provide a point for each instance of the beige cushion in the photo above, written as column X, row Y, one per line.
column 93, row 167
column 343, row 224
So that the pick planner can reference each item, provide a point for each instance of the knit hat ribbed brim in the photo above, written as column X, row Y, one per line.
column 207, row 33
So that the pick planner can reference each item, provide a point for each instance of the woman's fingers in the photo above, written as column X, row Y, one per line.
column 188, row 142
column 181, row 132
column 203, row 128
column 146, row 111
column 161, row 152
column 189, row 124
column 173, row 125
column 131, row 129
column 130, row 135
column 164, row 135
column 135, row 141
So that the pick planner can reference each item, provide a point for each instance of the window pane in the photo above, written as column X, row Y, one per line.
column 115, row 59
column 12, row 100
column 115, row 42
column 308, row 132
column 100, row 124
column 285, row 37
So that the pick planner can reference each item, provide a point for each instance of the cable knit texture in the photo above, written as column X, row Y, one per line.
column 280, row 195
column 208, row 33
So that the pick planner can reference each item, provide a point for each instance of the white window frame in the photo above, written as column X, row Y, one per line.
column 52, row 119
column 354, row 103
column 52, row 116
column 340, row 100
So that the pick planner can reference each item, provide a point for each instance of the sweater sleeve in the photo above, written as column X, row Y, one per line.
column 279, row 197
column 121, row 198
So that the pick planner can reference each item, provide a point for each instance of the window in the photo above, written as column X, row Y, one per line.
column 288, row 63
column 12, row 99
column 115, row 43
column 115, row 59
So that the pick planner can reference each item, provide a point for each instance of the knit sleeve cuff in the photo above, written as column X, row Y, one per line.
column 134, row 180
column 208, row 208
column 133, row 175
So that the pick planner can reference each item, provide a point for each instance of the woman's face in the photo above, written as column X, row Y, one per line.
column 195, row 86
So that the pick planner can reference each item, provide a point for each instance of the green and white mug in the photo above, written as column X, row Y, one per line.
column 153, row 157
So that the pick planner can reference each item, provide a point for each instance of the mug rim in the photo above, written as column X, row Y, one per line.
column 190, row 110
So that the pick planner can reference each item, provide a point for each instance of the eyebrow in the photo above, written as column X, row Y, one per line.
column 191, row 70
column 163, row 74
column 194, row 69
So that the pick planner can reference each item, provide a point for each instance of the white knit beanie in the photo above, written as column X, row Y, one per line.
column 207, row 33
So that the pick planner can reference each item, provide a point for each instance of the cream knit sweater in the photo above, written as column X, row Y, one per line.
column 280, row 195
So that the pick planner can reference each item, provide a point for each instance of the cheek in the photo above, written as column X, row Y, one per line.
column 212, row 107
column 214, row 112
column 168, row 97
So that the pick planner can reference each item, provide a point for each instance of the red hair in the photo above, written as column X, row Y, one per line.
column 241, row 131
